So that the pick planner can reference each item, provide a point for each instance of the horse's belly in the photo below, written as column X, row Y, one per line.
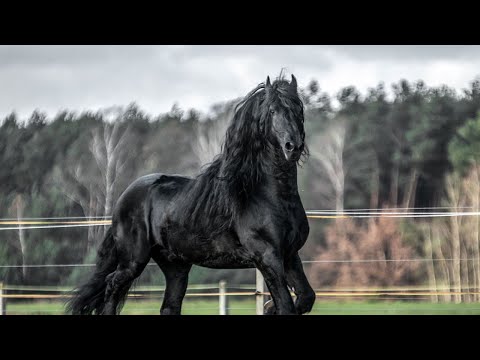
column 226, row 261
column 222, row 252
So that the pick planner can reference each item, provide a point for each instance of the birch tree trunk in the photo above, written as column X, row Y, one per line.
column 430, row 266
column 19, row 206
column 109, row 151
column 93, row 188
column 409, row 198
column 328, row 150
column 394, row 186
column 464, row 265
column 375, row 188
column 475, row 195
column 210, row 136
column 443, row 265
column 456, row 250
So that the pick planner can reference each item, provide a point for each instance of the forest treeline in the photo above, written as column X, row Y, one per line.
column 418, row 147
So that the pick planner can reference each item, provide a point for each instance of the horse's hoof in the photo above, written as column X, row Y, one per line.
column 269, row 308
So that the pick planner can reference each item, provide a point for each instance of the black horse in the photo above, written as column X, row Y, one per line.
column 242, row 211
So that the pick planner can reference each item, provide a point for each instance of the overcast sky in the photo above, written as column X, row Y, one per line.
column 52, row 78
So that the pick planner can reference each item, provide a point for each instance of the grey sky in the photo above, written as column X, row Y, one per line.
column 51, row 78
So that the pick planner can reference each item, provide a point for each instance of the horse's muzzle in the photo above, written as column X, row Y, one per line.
column 291, row 155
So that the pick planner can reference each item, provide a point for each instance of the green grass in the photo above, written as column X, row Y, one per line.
column 247, row 307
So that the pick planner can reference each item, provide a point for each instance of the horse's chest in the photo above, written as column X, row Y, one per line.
column 291, row 232
column 294, row 230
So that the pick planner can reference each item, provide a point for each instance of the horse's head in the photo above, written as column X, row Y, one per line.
column 283, row 118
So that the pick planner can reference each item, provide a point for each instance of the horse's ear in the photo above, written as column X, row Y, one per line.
column 268, row 85
column 293, row 84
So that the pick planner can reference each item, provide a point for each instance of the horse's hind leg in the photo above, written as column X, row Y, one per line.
column 133, row 253
column 176, row 277
column 118, row 284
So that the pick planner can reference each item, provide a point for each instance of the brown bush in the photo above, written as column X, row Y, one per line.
column 349, row 240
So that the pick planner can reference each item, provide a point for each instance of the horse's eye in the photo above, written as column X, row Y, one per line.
column 272, row 111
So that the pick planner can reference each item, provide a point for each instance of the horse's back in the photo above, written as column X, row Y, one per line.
column 135, row 192
column 133, row 201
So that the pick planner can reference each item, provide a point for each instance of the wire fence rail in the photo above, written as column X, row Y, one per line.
column 8, row 292
column 418, row 293
column 254, row 293
column 85, row 221
column 215, row 290
column 347, row 261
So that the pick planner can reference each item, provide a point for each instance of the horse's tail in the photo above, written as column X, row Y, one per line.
column 90, row 297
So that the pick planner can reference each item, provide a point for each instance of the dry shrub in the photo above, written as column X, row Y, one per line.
column 349, row 240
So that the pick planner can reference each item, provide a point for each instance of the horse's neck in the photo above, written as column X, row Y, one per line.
column 286, row 182
column 268, row 173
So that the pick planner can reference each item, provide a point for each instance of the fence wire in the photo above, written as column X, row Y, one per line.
column 389, row 294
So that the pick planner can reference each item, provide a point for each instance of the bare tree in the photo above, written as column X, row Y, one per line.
column 456, row 238
column 93, row 183
column 437, row 232
column 110, row 153
column 428, row 248
column 472, row 188
column 328, row 148
column 454, row 194
column 77, row 183
column 211, row 134
column 17, row 207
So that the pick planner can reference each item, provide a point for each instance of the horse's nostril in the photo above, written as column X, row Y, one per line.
column 289, row 146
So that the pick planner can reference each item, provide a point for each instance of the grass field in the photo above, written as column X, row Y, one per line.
column 247, row 307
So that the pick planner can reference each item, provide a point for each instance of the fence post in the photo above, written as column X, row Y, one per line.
column 223, row 302
column 260, row 289
column 3, row 301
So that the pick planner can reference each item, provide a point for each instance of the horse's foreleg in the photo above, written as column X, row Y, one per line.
column 298, row 281
column 176, row 277
column 272, row 268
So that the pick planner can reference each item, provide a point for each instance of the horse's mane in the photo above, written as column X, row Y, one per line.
column 211, row 202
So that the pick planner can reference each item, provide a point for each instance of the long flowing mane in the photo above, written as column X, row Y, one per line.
column 222, row 190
